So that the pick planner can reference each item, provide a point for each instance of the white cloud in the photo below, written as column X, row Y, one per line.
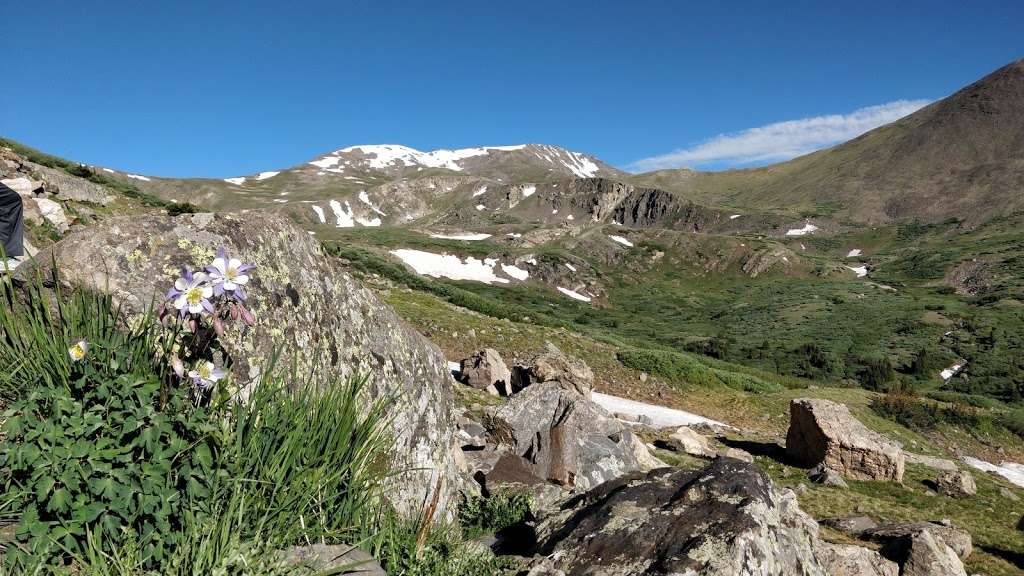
column 781, row 140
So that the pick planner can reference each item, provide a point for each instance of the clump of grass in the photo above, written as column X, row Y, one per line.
column 493, row 513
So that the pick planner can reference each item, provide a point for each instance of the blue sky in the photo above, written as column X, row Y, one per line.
column 192, row 88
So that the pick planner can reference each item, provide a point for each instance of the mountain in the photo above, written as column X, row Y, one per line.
column 961, row 157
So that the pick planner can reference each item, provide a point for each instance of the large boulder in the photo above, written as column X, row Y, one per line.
column 727, row 519
column 926, row 556
column 566, row 438
column 896, row 539
column 957, row 484
column 824, row 432
column 849, row 560
column 690, row 442
column 318, row 316
column 485, row 370
column 552, row 365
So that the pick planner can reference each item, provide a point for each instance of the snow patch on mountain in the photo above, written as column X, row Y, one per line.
column 381, row 156
column 320, row 214
column 621, row 240
column 574, row 294
column 236, row 181
column 137, row 177
column 462, row 236
column 450, row 266
column 807, row 229
column 265, row 175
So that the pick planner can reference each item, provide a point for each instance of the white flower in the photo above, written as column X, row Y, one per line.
column 78, row 350
column 193, row 293
column 205, row 374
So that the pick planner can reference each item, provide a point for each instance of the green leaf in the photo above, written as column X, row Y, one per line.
column 60, row 501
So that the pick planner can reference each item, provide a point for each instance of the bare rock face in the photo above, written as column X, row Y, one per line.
column 824, row 432
column 68, row 187
column 958, row 484
column 485, row 370
column 304, row 306
column 849, row 560
column 566, row 438
column 552, row 365
column 726, row 520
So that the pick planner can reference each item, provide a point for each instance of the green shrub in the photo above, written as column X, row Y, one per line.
column 102, row 455
column 178, row 208
column 687, row 369
column 925, row 416
column 479, row 515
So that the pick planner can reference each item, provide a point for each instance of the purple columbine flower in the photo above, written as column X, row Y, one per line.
column 228, row 275
column 191, row 293
column 205, row 374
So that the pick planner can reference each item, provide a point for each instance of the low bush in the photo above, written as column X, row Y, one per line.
column 479, row 515
column 687, row 369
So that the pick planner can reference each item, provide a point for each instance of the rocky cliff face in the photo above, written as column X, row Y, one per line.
column 305, row 307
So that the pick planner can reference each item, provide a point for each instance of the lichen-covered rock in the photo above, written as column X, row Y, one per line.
column 853, row 525
column 485, row 370
column 566, row 438
column 726, row 520
column 552, row 365
column 822, row 431
column 849, row 560
column 305, row 306
column 958, row 484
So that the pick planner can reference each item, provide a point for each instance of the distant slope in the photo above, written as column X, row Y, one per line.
column 961, row 157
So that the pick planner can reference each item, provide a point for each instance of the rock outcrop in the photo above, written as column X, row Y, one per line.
column 485, row 370
column 304, row 305
column 928, row 557
column 566, row 438
column 896, row 539
column 552, row 365
column 726, row 519
column 824, row 432
column 849, row 560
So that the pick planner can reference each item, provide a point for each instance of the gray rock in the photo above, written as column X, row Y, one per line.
column 686, row 440
column 1008, row 494
column 821, row 431
column 853, row 525
column 53, row 213
column 552, row 365
column 958, row 484
column 339, row 559
column 304, row 304
column 849, row 560
column 737, row 453
column 930, row 557
column 896, row 539
column 471, row 434
column 68, row 187
column 566, row 438
column 726, row 519
column 485, row 370
column 825, row 476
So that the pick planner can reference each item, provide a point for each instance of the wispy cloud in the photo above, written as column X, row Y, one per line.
column 781, row 140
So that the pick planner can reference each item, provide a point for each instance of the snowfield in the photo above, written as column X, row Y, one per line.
column 853, row 253
column 621, row 240
column 952, row 371
column 343, row 216
column 449, row 266
column 860, row 271
column 320, row 214
column 137, row 177
column 387, row 155
column 661, row 417
column 515, row 271
column 574, row 294
column 265, row 175
column 807, row 229
column 482, row 190
column 1012, row 471
column 462, row 236
column 236, row 181
column 529, row 191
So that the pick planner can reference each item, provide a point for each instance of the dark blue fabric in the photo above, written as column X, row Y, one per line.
column 12, row 222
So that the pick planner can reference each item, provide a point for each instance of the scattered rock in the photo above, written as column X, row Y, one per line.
column 641, row 419
column 53, row 212
column 485, row 370
column 566, row 438
column 686, row 440
column 849, row 560
column 726, row 519
column 304, row 304
column 825, row 476
column 821, row 431
column 853, row 525
column 552, row 365
column 336, row 559
column 471, row 434
column 959, row 484
column 1008, row 494
column 738, row 454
